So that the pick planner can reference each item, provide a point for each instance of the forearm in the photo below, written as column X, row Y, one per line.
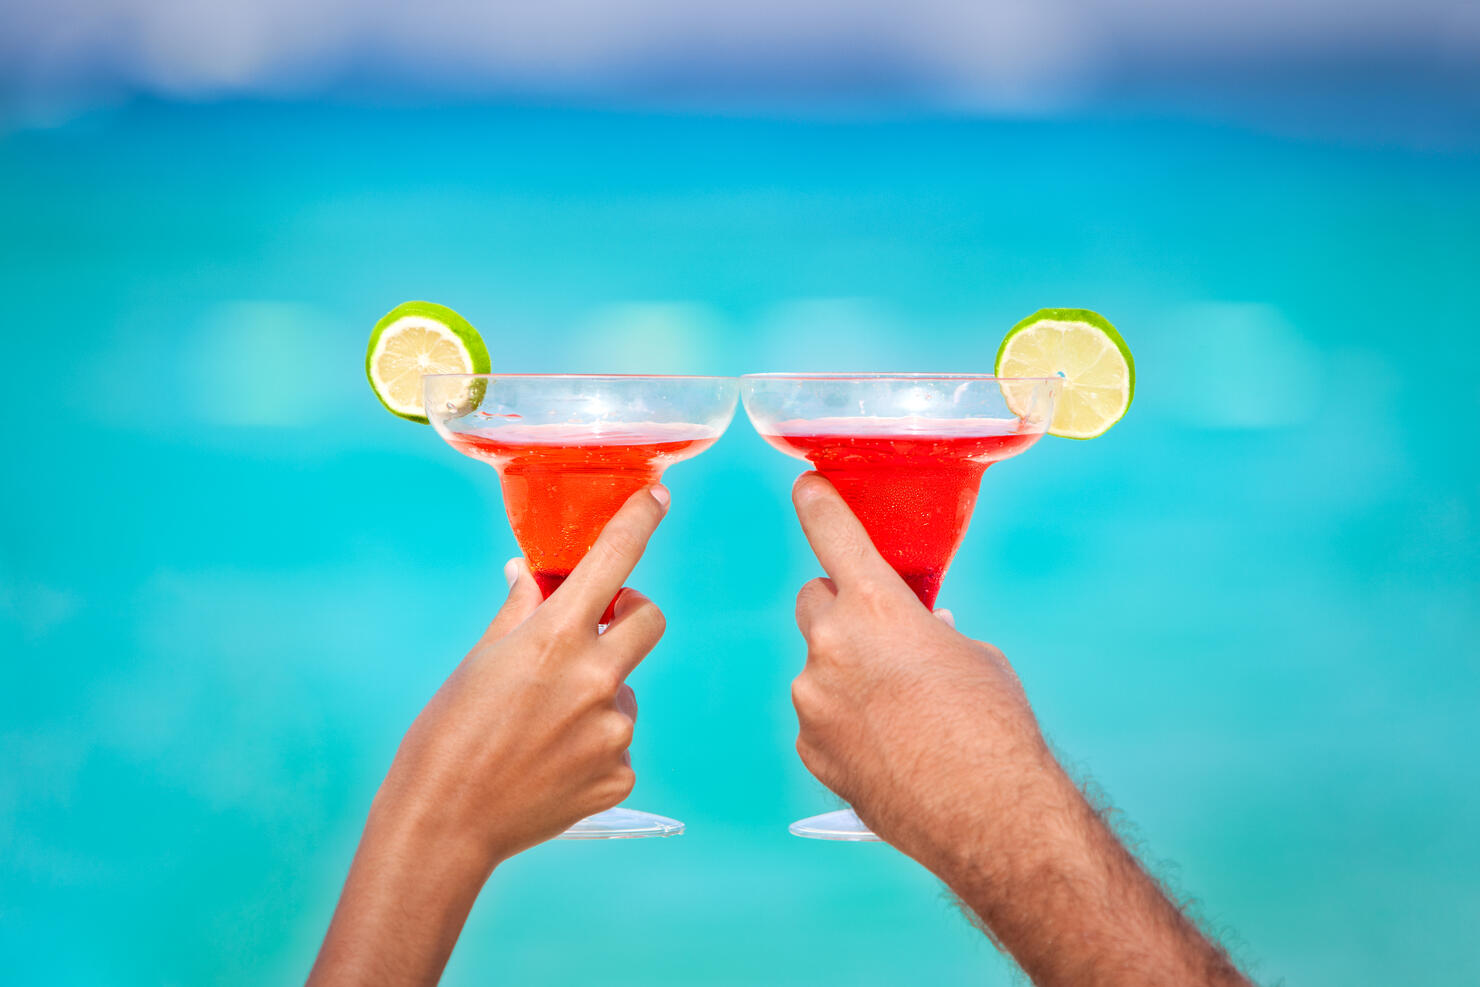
column 408, row 893
column 1061, row 893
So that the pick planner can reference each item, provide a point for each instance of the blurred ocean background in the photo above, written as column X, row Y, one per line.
column 228, row 579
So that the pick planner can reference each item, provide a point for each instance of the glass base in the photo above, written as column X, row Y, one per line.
column 841, row 825
column 622, row 824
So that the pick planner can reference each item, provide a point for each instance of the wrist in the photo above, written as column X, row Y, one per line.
column 423, row 832
column 404, row 903
column 1018, row 819
column 1058, row 891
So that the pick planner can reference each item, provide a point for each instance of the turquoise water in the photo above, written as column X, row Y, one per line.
column 228, row 580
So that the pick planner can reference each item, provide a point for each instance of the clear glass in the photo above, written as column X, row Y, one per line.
column 907, row 453
column 569, row 450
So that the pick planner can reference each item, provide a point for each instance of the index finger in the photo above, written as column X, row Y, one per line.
column 836, row 535
column 596, row 578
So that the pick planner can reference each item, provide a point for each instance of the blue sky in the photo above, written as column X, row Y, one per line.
column 1367, row 67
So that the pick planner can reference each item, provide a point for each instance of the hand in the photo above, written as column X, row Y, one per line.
column 929, row 735
column 921, row 729
column 530, row 734
column 526, row 737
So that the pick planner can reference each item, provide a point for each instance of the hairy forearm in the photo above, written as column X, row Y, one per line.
column 408, row 893
column 1059, row 891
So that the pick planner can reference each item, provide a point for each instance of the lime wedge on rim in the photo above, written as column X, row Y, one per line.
column 417, row 338
column 1084, row 349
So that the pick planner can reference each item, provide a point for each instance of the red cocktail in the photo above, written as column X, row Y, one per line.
column 563, row 483
column 913, row 489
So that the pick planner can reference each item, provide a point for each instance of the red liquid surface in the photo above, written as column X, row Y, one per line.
column 562, row 485
column 913, row 492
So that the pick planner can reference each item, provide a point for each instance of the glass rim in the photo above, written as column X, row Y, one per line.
column 827, row 375
column 528, row 376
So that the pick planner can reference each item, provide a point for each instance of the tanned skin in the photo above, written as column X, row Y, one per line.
column 930, row 738
column 528, row 736
column 927, row 733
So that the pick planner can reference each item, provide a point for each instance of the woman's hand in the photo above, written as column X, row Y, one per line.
column 526, row 737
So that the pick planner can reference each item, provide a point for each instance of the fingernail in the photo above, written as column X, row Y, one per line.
column 660, row 494
column 511, row 572
column 948, row 618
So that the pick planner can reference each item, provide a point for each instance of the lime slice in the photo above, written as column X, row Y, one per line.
column 417, row 338
column 1083, row 348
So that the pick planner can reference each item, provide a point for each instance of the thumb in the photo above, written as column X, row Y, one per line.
column 524, row 596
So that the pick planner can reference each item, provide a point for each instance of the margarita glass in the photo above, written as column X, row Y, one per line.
column 569, row 450
column 907, row 453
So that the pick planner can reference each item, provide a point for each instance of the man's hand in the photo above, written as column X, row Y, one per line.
column 527, row 736
column 931, row 739
column 900, row 714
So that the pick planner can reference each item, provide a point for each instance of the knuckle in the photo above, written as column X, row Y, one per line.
column 825, row 637
column 611, row 787
column 603, row 554
column 621, row 544
column 810, row 588
column 810, row 757
column 599, row 683
column 646, row 618
column 816, row 709
column 804, row 695
column 616, row 731
column 565, row 628
column 872, row 594
column 545, row 653
column 623, row 780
